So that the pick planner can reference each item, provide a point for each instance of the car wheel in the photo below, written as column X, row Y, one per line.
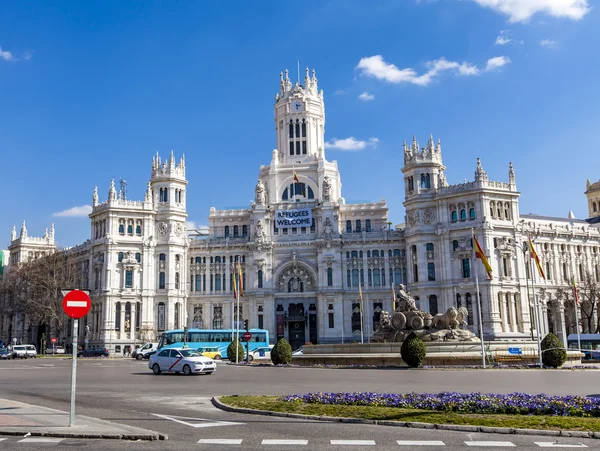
column 156, row 369
column 250, row 358
column 139, row 357
column 218, row 357
column 187, row 370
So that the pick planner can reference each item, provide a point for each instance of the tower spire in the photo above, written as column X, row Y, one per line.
column 95, row 197
column 13, row 234
column 112, row 193
column 23, row 230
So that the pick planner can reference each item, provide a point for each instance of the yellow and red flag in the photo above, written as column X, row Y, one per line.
column 360, row 297
column 480, row 255
column 575, row 292
column 296, row 177
column 393, row 298
column 233, row 276
column 534, row 255
column 241, row 283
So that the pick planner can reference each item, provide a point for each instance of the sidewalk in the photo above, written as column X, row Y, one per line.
column 17, row 418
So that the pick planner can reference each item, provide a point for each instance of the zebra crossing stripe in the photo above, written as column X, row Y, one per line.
column 420, row 443
column 352, row 442
column 284, row 442
column 41, row 440
column 220, row 441
column 490, row 443
column 559, row 445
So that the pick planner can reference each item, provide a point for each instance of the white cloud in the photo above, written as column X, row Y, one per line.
column 496, row 62
column 522, row 10
column 74, row 212
column 6, row 55
column 27, row 55
column 351, row 144
column 375, row 66
column 365, row 96
column 550, row 43
column 502, row 40
column 340, row 92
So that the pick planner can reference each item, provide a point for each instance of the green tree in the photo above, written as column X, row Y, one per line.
column 231, row 351
column 553, row 351
column 281, row 354
column 413, row 351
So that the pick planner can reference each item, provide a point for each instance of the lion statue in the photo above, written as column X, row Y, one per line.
column 452, row 319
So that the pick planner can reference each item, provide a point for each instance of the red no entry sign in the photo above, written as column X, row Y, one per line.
column 53, row 339
column 76, row 304
column 247, row 336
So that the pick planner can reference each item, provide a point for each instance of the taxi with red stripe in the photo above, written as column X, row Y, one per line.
column 181, row 360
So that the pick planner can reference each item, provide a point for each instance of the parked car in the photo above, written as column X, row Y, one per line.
column 149, row 354
column 211, row 353
column 140, row 352
column 56, row 350
column 31, row 351
column 181, row 360
column 5, row 354
column 260, row 353
column 298, row 352
column 93, row 352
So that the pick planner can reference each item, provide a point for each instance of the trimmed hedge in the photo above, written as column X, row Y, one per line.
column 413, row 351
column 231, row 351
column 553, row 351
column 281, row 354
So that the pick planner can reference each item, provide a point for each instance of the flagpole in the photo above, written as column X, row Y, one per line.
column 369, row 321
column 479, row 304
column 343, row 318
column 577, row 315
column 293, row 182
column 237, row 316
column 536, row 313
column 361, row 314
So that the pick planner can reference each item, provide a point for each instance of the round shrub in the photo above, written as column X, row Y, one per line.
column 231, row 351
column 413, row 351
column 553, row 351
column 281, row 354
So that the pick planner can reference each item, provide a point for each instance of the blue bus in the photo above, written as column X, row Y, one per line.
column 590, row 345
column 211, row 338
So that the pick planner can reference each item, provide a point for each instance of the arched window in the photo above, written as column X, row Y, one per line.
column 397, row 276
column 162, row 280
column 354, row 254
column 454, row 245
column 236, row 231
column 128, row 279
column 595, row 207
column 217, row 282
column 431, row 272
column 492, row 211
column 360, row 254
column 244, row 230
column 469, row 309
column 396, row 252
column 415, row 273
column 458, row 301
column 138, row 257
column 427, row 181
column 472, row 214
column 368, row 225
column 375, row 253
column 422, row 180
column 506, row 211
column 118, row 316
column 120, row 257
column 433, row 305
column 260, row 278
column 329, row 277
column 358, row 226
column 130, row 229
column 454, row 216
column 355, row 277
column 348, row 226
column 138, row 230
column 376, row 277
column 463, row 214
column 122, row 229
column 226, row 231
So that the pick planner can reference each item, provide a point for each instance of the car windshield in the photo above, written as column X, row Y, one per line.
column 189, row 353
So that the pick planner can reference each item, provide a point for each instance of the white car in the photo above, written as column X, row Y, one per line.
column 181, row 360
column 261, row 353
column 55, row 350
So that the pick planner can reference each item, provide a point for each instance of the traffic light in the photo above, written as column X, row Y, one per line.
column 246, row 324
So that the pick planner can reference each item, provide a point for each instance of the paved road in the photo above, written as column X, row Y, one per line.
column 125, row 391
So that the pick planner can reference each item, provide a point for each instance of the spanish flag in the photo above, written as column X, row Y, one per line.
column 241, row 280
column 575, row 292
column 233, row 276
column 534, row 255
column 480, row 255
column 296, row 177
column 360, row 297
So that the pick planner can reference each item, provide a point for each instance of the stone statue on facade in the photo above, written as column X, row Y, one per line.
column 259, row 234
column 407, row 318
column 326, row 189
column 259, row 193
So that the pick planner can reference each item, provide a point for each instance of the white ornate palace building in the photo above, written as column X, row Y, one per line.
column 304, row 251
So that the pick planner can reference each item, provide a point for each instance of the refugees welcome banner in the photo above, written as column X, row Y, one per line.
column 287, row 219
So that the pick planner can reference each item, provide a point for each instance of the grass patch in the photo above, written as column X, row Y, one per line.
column 273, row 403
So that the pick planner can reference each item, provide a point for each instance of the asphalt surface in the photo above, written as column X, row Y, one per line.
column 125, row 391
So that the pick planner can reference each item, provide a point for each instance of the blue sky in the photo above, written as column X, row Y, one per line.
column 92, row 90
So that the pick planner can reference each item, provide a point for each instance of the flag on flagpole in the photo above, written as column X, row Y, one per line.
column 393, row 298
column 480, row 255
column 234, row 282
column 296, row 177
column 575, row 292
column 360, row 298
column 241, row 283
column 534, row 255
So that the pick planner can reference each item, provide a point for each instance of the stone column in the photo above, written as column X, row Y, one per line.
column 133, row 320
column 122, row 316
column 561, row 326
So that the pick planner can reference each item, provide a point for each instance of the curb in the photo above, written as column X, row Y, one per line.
column 444, row 427
column 126, row 436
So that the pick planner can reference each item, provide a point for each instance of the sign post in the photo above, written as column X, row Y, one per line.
column 247, row 337
column 76, row 304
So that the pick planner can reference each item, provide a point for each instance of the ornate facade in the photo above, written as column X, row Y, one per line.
column 304, row 252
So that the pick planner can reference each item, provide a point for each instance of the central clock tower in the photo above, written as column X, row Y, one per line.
column 299, row 119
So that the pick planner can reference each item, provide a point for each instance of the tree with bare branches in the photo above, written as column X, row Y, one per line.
column 589, row 299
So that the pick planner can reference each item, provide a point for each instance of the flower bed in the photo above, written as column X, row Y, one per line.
column 513, row 403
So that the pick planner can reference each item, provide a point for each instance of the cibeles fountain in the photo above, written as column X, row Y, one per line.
column 394, row 327
column 446, row 335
